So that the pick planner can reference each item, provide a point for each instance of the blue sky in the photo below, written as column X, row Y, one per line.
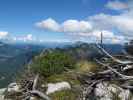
column 19, row 17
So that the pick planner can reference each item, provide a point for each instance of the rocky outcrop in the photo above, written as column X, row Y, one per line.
column 57, row 87
column 107, row 91
column 13, row 87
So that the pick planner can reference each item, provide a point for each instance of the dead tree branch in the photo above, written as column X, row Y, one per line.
column 113, row 58
column 115, row 71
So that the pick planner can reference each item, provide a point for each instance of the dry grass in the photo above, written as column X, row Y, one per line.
column 64, row 95
column 87, row 66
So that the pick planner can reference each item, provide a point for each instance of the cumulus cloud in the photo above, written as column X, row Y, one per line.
column 122, row 23
column 116, row 5
column 76, row 26
column 95, row 36
column 106, row 34
column 106, row 23
column 49, row 24
column 101, row 23
column 66, row 26
column 25, row 38
column 3, row 34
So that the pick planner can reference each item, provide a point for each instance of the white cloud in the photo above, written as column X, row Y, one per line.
column 116, row 41
column 3, row 34
column 122, row 23
column 76, row 26
column 66, row 26
column 106, row 34
column 29, row 37
column 107, row 23
column 101, row 23
column 48, row 24
column 25, row 38
column 95, row 36
column 116, row 5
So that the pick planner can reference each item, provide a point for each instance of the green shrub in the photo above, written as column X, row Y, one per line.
column 54, row 62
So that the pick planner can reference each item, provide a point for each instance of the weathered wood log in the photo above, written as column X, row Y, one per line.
column 114, row 70
column 113, row 58
column 35, row 82
column 127, row 87
column 87, row 90
column 29, row 89
column 40, row 94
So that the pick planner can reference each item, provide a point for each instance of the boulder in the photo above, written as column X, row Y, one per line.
column 53, row 87
column 107, row 91
column 13, row 87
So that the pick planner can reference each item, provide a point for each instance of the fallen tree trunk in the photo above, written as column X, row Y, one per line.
column 35, row 82
column 39, row 94
column 29, row 89
column 114, row 70
column 113, row 58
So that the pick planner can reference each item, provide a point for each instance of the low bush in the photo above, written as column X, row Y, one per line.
column 54, row 62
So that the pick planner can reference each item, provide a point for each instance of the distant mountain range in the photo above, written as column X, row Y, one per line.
column 81, row 50
column 114, row 48
column 13, row 57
